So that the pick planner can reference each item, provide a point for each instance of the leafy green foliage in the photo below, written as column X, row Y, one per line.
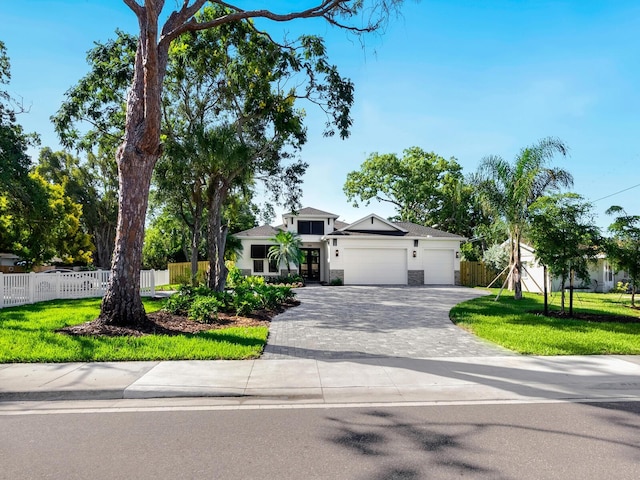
column 288, row 249
column 425, row 188
column 507, row 190
column 497, row 257
column 564, row 236
column 624, row 248
column 248, row 295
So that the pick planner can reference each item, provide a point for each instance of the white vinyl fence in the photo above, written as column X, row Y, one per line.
column 23, row 288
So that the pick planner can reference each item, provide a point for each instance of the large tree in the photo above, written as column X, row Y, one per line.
column 423, row 187
column 624, row 248
column 509, row 189
column 141, row 147
column 93, row 185
column 564, row 237
column 249, row 128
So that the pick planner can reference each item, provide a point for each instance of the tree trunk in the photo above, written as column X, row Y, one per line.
column 571, row 274
column 104, row 239
column 517, row 262
column 122, row 304
column 563, row 283
column 195, row 242
column 217, row 236
column 136, row 158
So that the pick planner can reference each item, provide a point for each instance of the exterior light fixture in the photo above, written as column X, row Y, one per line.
column 457, row 254
column 415, row 254
column 337, row 253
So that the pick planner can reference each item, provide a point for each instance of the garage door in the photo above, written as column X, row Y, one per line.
column 375, row 266
column 438, row 267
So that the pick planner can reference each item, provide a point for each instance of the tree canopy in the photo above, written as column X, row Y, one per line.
column 508, row 190
column 624, row 248
column 424, row 188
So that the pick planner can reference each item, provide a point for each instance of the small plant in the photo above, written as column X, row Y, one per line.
column 621, row 287
column 336, row 282
column 204, row 307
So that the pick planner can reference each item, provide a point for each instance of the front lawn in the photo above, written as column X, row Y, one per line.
column 28, row 334
column 512, row 324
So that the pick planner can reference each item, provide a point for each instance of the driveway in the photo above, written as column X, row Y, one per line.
column 372, row 321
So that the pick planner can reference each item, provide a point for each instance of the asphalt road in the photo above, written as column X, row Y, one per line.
column 527, row 441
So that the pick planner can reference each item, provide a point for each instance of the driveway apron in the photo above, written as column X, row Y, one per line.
column 375, row 321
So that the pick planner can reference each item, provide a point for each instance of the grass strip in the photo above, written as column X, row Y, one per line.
column 512, row 324
column 27, row 334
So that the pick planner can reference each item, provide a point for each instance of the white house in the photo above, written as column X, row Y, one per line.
column 370, row 251
column 602, row 275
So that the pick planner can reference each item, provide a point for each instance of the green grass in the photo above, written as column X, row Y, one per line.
column 27, row 334
column 509, row 323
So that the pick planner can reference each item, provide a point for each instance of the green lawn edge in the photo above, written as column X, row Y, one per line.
column 511, row 324
column 28, row 335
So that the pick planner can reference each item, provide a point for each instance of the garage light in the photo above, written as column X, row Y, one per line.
column 457, row 254
column 415, row 254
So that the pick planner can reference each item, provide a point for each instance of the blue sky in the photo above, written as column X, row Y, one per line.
column 462, row 78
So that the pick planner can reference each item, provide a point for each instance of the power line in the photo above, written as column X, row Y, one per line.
column 616, row 193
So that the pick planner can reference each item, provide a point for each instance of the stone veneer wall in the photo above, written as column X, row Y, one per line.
column 333, row 274
column 456, row 277
column 416, row 277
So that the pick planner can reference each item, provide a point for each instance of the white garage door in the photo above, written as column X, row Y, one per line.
column 438, row 267
column 375, row 266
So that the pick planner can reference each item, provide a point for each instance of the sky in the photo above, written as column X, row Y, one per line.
column 462, row 78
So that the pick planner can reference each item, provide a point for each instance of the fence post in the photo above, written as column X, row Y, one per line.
column 32, row 287
column 153, row 283
column 2, row 289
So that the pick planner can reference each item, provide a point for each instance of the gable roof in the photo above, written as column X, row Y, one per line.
column 403, row 229
column 311, row 212
column 261, row 231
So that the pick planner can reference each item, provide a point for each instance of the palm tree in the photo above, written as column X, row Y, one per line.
column 508, row 190
column 288, row 249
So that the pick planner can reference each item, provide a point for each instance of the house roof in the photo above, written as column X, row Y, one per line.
column 261, row 231
column 405, row 229
column 311, row 212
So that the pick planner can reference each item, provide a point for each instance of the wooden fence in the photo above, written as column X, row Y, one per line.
column 477, row 274
column 181, row 272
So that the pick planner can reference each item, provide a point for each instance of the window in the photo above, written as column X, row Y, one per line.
column 335, row 242
column 415, row 243
column 273, row 266
column 259, row 251
column 258, row 266
column 310, row 227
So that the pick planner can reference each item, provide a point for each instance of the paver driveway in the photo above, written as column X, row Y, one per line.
column 372, row 321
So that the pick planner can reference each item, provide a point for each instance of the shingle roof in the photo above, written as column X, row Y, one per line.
column 261, row 231
column 338, row 224
column 313, row 211
column 413, row 230
column 422, row 231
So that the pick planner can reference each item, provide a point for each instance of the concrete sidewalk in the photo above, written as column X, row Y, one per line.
column 370, row 380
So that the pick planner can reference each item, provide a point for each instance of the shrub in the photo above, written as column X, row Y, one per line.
column 621, row 287
column 336, row 282
column 204, row 307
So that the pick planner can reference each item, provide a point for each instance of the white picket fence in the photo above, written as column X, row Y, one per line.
column 24, row 288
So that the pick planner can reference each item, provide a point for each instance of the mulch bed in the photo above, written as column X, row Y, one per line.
column 165, row 323
column 590, row 317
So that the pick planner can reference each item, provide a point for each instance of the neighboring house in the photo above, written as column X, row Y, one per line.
column 602, row 275
column 8, row 263
column 370, row 251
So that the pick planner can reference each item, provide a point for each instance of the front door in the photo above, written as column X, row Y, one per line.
column 310, row 266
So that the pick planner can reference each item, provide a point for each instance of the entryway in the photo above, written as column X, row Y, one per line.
column 310, row 266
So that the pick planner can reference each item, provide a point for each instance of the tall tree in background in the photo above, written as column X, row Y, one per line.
column 564, row 237
column 624, row 248
column 141, row 147
column 93, row 185
column 425, row 188
column 508, row 190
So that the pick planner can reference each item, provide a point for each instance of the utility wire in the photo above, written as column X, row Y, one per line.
column 616, row 193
